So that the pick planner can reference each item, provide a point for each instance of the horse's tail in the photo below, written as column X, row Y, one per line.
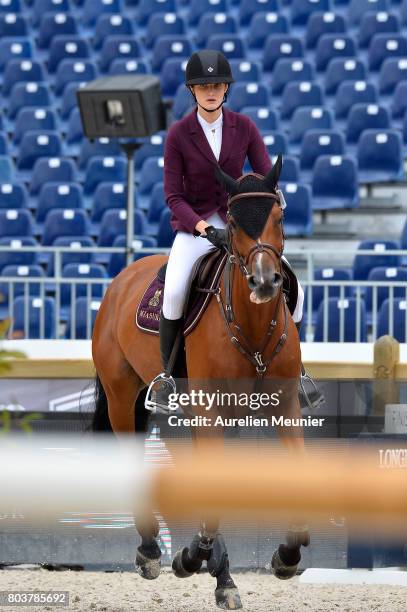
column 101, row 421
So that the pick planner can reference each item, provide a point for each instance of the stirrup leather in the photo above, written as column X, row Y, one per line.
column 153, row 401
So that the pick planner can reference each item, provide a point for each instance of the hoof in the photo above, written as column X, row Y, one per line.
column 280, row 569
column 228, row 599
column 147, row 568
column 182, row 566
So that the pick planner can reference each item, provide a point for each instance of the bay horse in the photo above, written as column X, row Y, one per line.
column 249, row 310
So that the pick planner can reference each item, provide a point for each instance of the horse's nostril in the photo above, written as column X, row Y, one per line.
column 278, row 279
column 252, row 282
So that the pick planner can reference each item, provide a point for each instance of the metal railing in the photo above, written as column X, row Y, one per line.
column 57, row 318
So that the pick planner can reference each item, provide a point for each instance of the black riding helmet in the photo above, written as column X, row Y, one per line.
column 208, row 66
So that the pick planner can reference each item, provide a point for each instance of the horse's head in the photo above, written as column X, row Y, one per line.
column 255, row 229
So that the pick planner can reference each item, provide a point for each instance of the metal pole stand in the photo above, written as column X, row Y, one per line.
column 130, row 148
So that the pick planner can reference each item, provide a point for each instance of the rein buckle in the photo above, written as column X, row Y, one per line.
column 260, row 367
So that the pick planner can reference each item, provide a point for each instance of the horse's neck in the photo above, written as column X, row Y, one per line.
column 254, row 319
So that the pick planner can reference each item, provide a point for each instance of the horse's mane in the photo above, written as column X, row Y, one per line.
column 251, row 214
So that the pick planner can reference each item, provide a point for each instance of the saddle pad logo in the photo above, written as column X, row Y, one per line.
column 155, row 300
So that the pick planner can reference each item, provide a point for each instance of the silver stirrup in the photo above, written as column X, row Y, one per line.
column 155, row 405
column 312, row 405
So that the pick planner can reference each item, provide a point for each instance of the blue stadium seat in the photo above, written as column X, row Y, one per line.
column 301, row 10
column 111, row 25
column 69, row 98
column 4, row 149
column 290, row 70
column 55, row 24
column 354, row 92
column 76, row 255
column 298, row 213
column 358, row 8
column 12, row 24
column 334, row 291
column 183, row 102
column 125, row 66
column 231, row 45
column 15, row 256
column 152, row 172
column 64, row 222
column 153, row 147
column 70, row 71
column 248, row 8
column 320, row 142
column 170, row 46
column 114, row 47
column 390, row 275
column 404, row 128
column 52, row 169
column 275, row 142
column 331, row 46
column 165, row 234
column 364, row 117
column 363, row 264
column 85, row 316
column 172, row 75
column 202, row 7
column 264, row 118
column 393, row 71
column 377, row 23
column 157, row 203
column 262, row 25
column 300, row 94
column 335, row 183
column 384, row 46
column 114, row 224
column 40, row 321
column 101, row 147
column 16, row 222
column 28, row 94
column 149, row 7
column 248, row 94
column 76, row 290
column 6, row 169
column 37, row 119
column 344, row 324
column 380, row 156
column 74, row 133
column 36, row 144
column 58, row 195
column 395, row 314
column 10, row 6
column 41, row 7
column 399, row 105
column 244, row 70
column 324, row 23
column 279, row 46
column 118, row 260
column 161, row 24
column 101, row 169
column 25, row 287
column 67, row 47
column 290, row 172
column 214, row 23
column 341, row 69
column 106, row 197
column 91, row 10
column 14, row 48
column 20, row 71
column 13, row 195
column 309, row 118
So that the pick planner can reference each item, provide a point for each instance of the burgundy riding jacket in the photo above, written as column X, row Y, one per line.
column 191, row 190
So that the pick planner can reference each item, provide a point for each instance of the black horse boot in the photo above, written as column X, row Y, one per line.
column 163, row 385
column 309, row 394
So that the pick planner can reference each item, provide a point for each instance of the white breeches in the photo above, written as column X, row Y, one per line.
column 186, row 249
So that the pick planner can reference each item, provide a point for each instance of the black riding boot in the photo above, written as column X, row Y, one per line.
column 169, row 329
column 309, row 394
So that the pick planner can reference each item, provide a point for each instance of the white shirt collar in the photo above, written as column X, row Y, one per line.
column 210, row 126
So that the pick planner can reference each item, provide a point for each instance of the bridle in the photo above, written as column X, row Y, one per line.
column 237, row 336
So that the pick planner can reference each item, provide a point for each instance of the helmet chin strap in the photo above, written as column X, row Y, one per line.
column 211, row 110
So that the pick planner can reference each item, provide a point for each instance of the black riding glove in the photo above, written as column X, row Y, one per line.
column 216, row 236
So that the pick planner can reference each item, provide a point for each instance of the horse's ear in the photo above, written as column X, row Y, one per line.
column 229, row 183
column 273, row 176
